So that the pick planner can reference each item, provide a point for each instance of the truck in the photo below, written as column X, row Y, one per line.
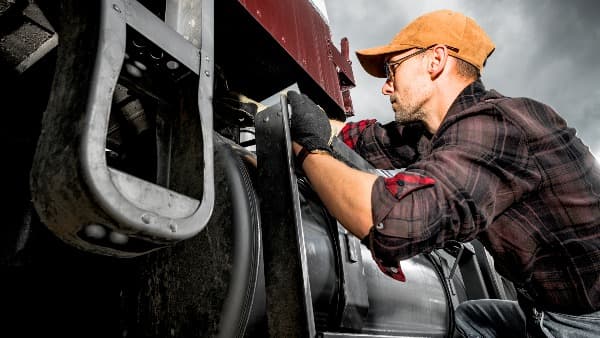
column 152, row 192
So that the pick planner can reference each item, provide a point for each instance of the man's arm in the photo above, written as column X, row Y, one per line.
column 346, row 192
column 388, row 146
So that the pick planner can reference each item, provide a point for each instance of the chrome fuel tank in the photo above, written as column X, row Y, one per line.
column 417, row 307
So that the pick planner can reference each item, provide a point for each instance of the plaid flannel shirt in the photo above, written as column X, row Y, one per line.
column 508, row 171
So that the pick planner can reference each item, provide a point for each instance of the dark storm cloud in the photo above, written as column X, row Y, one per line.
column 546, row 50
column 555, row 61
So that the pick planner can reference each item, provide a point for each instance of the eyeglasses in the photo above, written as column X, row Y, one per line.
column 390, row 67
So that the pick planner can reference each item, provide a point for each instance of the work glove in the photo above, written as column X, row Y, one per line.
column 309, row 124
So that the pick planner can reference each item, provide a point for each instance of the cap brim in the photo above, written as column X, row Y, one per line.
column 373, row 59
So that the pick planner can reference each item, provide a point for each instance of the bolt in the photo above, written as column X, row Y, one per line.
column 133, row 70
column 138, row 43
column 148, row 218
column 207, row 73
column 139, row 65
column 172, row 65
column 156, row 54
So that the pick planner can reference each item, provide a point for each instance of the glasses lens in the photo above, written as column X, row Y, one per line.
column 388, row 73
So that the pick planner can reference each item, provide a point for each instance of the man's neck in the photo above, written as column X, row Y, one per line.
column 446, row 94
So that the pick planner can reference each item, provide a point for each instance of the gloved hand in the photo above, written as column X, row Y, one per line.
column 309, row 124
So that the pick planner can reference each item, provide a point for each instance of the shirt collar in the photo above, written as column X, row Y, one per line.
column 473, row 93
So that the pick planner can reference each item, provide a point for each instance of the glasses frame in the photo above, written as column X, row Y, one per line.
column 389, row 72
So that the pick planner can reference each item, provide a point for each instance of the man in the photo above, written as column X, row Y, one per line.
column 506, row 171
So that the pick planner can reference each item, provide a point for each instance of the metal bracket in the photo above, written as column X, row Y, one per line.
column 289, row 301
column 466, row 262
column 117, row 213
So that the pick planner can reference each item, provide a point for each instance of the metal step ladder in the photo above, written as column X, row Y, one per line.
column 79, row 197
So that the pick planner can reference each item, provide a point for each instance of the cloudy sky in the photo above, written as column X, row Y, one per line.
column 548, row 50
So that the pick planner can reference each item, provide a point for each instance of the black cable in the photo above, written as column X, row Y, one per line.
column 440, row 272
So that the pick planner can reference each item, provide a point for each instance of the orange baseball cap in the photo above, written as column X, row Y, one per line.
column 465, row 39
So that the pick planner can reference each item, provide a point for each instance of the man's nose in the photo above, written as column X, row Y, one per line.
column 388, row 88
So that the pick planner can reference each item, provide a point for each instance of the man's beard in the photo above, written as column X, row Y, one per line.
column 407, row 111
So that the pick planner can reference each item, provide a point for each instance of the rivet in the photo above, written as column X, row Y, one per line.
column 148, row 218
column 118, row 238
column 116, row 8
column 379, row 226
column 95, row 231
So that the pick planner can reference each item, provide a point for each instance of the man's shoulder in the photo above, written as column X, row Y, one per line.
column 519, row 106
column 493, row 96
column 530, row 116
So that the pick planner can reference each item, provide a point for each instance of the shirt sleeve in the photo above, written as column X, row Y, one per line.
column 390, row 146
column 477, row 168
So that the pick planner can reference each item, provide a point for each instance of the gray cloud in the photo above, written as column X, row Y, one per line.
column 546, row 50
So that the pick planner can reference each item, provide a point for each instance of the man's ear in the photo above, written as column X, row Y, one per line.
column 438, row 61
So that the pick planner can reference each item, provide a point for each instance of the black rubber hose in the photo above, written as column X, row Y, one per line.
column 247, row 245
